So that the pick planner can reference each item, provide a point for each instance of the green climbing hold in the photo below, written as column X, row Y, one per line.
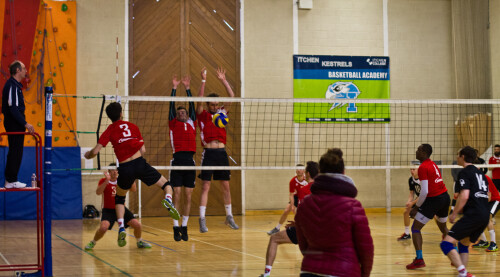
column 56, row 138
column 64, row 7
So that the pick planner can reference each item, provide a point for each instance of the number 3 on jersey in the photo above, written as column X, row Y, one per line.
column 126, row 130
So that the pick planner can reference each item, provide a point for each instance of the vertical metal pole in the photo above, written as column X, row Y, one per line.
column 47, row 186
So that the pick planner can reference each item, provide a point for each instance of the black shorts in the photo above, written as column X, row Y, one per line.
column 437, row 205
column 497, row 183
column 292, row 234
column 137, row 169
column 494, row 206
column 179, row 178
column 215, row 157
column 110, row 215
column 469, row 226
column 295, row 200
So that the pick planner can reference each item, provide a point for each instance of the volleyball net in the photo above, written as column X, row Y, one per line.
column 279, row 133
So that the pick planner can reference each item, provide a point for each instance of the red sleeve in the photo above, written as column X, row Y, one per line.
column 363, row 242
column 104, row 138
column 292, row 186
column 491, row 160
column 422, row 173
column 101, row 181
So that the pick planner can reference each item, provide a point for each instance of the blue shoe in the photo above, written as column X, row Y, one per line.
column 121, row 237
column 171, row 209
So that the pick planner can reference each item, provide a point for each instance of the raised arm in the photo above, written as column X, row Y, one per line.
column 171, row 111
column 186, row 81
column 100, row 189
column 221, row 75
column 199, row 105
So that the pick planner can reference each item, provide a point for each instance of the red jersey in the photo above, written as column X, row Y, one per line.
column 495, row 171
column 182, row 135
column 296, row 185
column 209, row 131
column 429, row 171
column 125, row 138
column 304, row 191
column 109, row 193
column 495, row 196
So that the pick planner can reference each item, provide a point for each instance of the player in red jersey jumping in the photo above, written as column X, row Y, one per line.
column 107, row 188
column 183, row 140
column 213, row 140
column 128, row 146
column 433, row 200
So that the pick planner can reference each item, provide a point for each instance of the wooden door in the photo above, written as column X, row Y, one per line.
column 170, row 37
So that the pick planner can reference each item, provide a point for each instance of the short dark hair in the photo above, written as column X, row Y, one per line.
column 469, row 153
column 112, row 164
column 427, row 148
column 113, row 111
column 299, row 165
column 182, row 108
column 213, row 94
column 332, row 161
column 496, row 145
column 312, row 168
column 14, row 66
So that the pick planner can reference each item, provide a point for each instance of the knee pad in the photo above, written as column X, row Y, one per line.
column 442, row 219
column 462, row 248
column 446, row 247
column 413, row 230
column 119, row 199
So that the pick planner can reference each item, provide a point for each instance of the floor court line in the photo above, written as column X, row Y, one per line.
column 215, row 245
column 92, row 255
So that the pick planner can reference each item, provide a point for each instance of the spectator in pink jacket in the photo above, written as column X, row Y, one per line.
column 332, row 228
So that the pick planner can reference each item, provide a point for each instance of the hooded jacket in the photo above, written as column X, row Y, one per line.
column 332, row 229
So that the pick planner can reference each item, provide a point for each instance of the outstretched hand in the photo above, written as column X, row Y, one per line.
column 204, row 73
column 290, row 224
column 175, row 81
column 186, row 80
column 221, row 74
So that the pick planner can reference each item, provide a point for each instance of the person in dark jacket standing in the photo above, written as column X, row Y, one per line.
column 331, row 208
column 14, row 121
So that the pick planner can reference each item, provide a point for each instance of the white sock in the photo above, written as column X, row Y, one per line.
column 483, row 237
column 278, row 226
column 202, row 211
column 407, row 230
column 229, row 210
column 139, row 239
column 93, row 241
column 185, row 220
column 492, row 236
column 120, row 222
column 176, row 223
column 168, row 196
column 462, row 272
column 267, row 271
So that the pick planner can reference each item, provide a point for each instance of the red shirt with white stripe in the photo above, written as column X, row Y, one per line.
column 304, row 191
column 429, row 171
column 495, row 171
column 125, row 138
column 182, row 135
column 495, row 196
column 209, row 131
column 109, row 193
column 296, row 185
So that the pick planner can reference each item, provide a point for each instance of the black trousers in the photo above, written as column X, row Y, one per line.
column 16, row 146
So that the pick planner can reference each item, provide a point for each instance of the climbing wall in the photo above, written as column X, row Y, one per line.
column 45, row 35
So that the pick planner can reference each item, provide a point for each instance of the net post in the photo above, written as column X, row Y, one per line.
column 98, row 129
column 47, row 186
column 388, row 169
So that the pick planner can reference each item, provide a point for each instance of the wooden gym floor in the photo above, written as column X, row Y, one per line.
column 220, row 252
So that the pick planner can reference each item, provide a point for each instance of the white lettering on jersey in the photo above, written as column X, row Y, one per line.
column 127, row 132
column 481, row 182
column 124, row 140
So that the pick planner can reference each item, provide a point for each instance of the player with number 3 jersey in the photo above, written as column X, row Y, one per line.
column 128, row 145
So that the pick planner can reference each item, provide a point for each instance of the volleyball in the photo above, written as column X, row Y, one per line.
column 220, row 120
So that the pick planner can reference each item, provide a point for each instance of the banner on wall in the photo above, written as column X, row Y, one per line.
column 341, row 77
